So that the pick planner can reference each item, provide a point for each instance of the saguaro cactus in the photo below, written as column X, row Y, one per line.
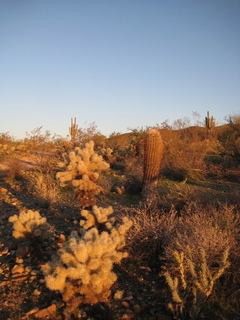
column 153, row 152
column 209, row 122
column 73, row 130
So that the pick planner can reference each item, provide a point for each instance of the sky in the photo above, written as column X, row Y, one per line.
column 121, row 64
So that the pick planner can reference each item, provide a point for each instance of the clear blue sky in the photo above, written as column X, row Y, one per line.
column 119, row 63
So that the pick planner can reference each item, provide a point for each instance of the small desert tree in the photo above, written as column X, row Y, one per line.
column 82, row 171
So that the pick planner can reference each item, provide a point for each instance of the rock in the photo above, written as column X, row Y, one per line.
column 127, row 316
column 62, row 238
column 19, row 260
column 3, row 190
column 17, row 277
column 41, row 314
column 34, row 310
column 5, row 250
column 18, row 269
column 36, row 292
column 34, row 272
column 125, row 304
column 28, row 269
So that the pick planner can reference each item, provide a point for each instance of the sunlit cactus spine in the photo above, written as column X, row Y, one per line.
column 73, row 130
column 209, row 122
column 153, row 152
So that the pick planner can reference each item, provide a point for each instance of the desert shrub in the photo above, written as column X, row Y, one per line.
column 46, row 162
column 229, row 138
column 82, row 172
column 82, row 269
column 107, row 183
column 211, row 228
column 36, row 140
column 29, row 224
column 185, row 151
column 91, row 133
column 6, row 138
column 203, row 248
column 151, row 230
column 106, row 153
column 136, row 143
column 197, row 252
column 168, row 195
column 6, row 149
column 14, row 168
column 43, row 186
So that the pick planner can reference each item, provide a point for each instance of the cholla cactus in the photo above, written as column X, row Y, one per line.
column 106, row 153
column 102, row 219
column 83, row 166
column 82, row 269
column 98, row 216
column 193, row 284
column 29, row 224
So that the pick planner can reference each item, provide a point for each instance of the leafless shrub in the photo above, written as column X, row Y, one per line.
column 210, row 231
column 209, row 228
column 106, row 183
column 152, row 229
column 14, row 168
column 44, row 186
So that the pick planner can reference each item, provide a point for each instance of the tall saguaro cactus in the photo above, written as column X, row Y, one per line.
column 153, row 152
column 209, row 122
column 73, row 130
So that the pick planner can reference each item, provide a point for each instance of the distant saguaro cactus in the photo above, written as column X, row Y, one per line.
column 73, row 130
column 153, row 152
column 209, row 122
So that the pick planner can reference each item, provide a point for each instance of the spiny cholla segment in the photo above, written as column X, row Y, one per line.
column 102, row 219
column 29, row 224
column 82, row 270
column 98, row 216
column 83, row 166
